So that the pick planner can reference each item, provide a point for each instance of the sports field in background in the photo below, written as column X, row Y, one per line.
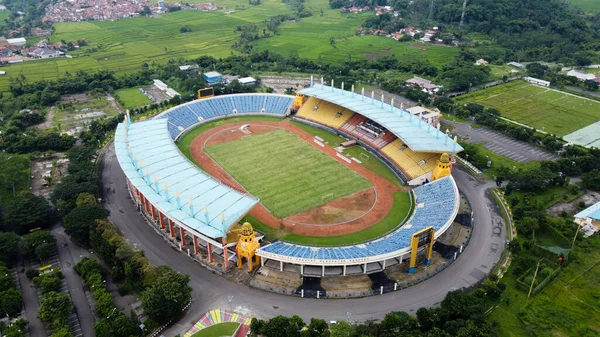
column 218, row 330
column 542, row 108
column 133, row 98
column 124, row 45
column 286, row 173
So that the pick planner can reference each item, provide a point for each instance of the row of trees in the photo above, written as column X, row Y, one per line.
column 459, row 314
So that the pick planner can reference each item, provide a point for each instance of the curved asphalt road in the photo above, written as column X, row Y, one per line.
column 211, row 291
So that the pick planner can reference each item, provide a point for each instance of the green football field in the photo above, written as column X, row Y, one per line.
column 542, row 108
column 285, row 172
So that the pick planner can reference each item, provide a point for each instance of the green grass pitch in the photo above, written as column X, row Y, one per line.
column 218, row 330
column 542, row 108
column 285, row 172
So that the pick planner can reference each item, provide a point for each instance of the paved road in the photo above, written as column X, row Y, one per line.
column 503, row 145
column 69, row 254
column 211, row 291
column 30, row 302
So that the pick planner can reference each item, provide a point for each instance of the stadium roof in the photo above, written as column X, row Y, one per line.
column 156, row 167
column 590, row 212
column 416, row 134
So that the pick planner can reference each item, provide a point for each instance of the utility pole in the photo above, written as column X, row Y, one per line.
column 462, row 15
column 575, row 237
column 533, row 281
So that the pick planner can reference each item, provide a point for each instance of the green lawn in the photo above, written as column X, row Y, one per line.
column 400, row 211
column 543, row 108
column 587, row 5
column 218, row 330
column 285, row 172
column 133, row 98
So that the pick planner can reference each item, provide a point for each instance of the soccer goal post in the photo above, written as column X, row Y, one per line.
column 327, row 196
column 364, row 157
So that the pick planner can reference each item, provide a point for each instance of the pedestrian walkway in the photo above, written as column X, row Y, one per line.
column 217, row 316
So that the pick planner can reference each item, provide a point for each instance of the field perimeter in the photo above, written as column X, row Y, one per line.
column 286, row 173
column 542, row 108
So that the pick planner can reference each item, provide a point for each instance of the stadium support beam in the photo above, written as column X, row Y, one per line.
column 344, row 272
column 153, row 212
column 161, row 220
column 171, row 229
column 210, row 255
column 280, row 265
column 182, row 233
column 225, row 253
column 301, row 269
column 365, row 268
column 195, row 245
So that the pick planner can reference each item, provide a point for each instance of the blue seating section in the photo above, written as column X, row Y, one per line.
column 186, row 115
column 436, row 204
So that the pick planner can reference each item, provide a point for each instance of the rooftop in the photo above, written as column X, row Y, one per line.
column 175, row 186
column 212, row 74
column 416, row 134
column 590, row 212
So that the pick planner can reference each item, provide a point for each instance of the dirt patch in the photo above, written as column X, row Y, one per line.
column 385, row 190
column 237, row 133
column 418, row 46
column 341, row 210
column 589, row 198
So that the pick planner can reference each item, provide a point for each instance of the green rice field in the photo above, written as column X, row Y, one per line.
column 286, row 173
column 124, row 45
column 545, row 109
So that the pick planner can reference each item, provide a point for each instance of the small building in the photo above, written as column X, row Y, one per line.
column 171, row 92
column 188, row 67
column 19, row 41
column 3, row 41
column 45, row 53
column 516, row 65
column 247, row 81
column 2, row 73
column 589, row 219
column 537, row 81
column 160, row 85
column 430, row 116
column 581, row 75
column 481, row 62
column 213, row 77
column 426, row 85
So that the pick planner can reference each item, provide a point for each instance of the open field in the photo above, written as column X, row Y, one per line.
column 133, row 98
column 545, row 109
column 567, row 307
column 285, row 172
column 587, row 5
column 124, row 45
column 218, row 330
column 81, row 109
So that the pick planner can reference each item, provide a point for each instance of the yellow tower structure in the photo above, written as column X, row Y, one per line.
column 443, row 168
column 298, row 101
column 246, row 247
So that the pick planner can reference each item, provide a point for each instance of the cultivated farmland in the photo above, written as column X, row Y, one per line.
column 542, row 108
column 285, row 172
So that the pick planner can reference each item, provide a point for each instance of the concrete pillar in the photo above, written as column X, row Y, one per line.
column 381, row 290
column 161, row 221
column 195, row 245
column 461, row 249
column 182, row 233
column 301, row 269
column 171, row 229
column 383, row 265
column 153, row 212
column 455, row 254
column 318, row 293
column 365, row 269
column 280, row 265
column 210, row 256
column 262, row 262
column 344, row 272
column 400, row 259
column 226, row 255
column 302, row 293
column 322, row 270
column 395, row 286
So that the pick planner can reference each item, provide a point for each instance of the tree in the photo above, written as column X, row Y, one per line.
column 55, row 309
column 591, row 180
column 87, row 267
column 317, row 328
column 9, row 246
column 167, row 298
column 31, row 241
column 118, row 325
column 85, row 199
column 63, row 332
column 527, row 225
column 11, row 302
column 591, row 84
column 342, row 329
column 13, row 172
column 78, row 222
column 43, row 251
column 6, row 279
column 27, row 212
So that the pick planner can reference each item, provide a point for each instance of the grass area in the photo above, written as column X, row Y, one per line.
column 552, row 195
column 497, row 72
column 13, row 168
column 543, row 108
column 71, row 111
column 133, row 98
column 368, row 160
column 218, row 330
column 285, row 172
column 400, row 211
column 587, row 5
column 569, row 306
column 159, row 40
column 186, row 141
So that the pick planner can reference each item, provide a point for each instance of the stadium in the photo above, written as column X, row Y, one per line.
column 287, row 179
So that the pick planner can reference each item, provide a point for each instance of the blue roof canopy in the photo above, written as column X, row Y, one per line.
column 590, row 212
column 150, row 160
column 416, row 134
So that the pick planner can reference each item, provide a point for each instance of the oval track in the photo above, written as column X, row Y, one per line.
column 211, row 291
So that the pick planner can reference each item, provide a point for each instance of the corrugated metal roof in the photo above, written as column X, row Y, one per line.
column 148, row 152
column 415, row 133
column 590, row 212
